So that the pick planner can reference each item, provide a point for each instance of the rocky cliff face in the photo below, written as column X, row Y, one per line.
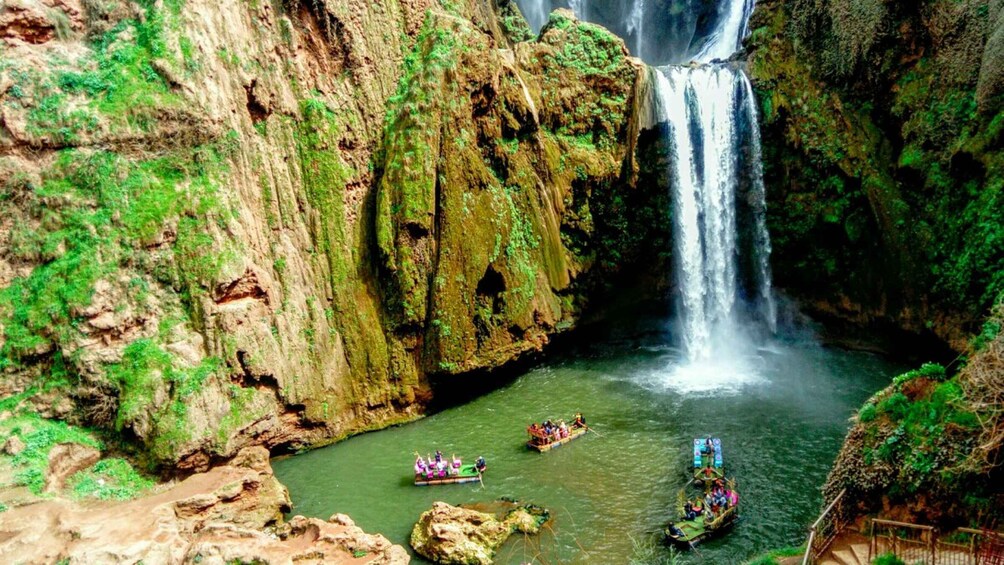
column 928, row 449
column 883, row 134
column 269, row 222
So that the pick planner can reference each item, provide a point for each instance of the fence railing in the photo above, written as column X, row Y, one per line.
column 824, row 530
column 917, row 544
column 913, row 543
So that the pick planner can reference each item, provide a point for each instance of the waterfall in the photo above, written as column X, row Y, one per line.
column 535, row 12
column 758, row 198
column 579, row 7
column 728, row 34
column 635, row 26
column 700, row 106
column 712, row 118
column 714, row 141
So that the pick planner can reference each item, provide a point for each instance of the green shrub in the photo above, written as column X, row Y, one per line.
column 888, row 559
column 40, row 436
column 867, row 413
column 933, row 371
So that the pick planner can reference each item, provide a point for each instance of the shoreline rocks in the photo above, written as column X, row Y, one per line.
column 230, row 513
column 452, row 534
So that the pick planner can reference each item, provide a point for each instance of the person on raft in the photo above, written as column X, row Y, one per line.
column 480, row 464
column 709, row 446
column 580, row 421
column 675, row 531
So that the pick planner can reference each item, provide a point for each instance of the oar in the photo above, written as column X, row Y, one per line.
column 589, row 429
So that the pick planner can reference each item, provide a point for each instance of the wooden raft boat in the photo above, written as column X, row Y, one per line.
column 688, row 533
column 466, row 474
column 539, row 444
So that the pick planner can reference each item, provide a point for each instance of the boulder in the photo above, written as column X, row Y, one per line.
column 451, row 534
column 66, row 459
column 13, row 445
column 232, row 513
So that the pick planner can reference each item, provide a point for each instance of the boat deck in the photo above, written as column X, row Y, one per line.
column 572, row 435
column 467, row 474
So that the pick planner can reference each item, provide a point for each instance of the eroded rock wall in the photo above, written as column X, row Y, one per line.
column 268, row 222
column 882, row 149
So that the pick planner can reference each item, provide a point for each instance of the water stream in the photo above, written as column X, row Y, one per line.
column 782, row 423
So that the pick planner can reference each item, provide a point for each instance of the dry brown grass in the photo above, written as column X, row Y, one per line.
column 983, row 382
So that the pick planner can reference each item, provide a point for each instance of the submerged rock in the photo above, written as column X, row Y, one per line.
column 451, row 534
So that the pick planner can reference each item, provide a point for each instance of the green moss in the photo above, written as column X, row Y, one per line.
column 109, row 479
column 588, row 48
column 102, row 207
column 40, row 436
column 353, row 307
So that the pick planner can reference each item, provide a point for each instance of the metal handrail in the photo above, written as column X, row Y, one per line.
column 828, row 508
column 901, row 524
column 808, row 558
column 812, row 553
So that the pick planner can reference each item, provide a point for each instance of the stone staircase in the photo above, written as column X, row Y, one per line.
column 847, row 549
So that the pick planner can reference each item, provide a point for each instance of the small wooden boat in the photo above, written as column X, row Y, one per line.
column 708, row 463
column 688, row 533
column 465, row 474
column 544, row 444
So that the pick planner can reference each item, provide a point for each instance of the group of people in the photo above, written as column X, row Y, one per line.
column 549, row 432
column 716, row 500
column 438, row 466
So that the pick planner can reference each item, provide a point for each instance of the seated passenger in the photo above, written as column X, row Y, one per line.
column 688, row 511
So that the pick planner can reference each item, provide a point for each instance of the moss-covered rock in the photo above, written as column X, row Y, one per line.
column 928, row 448
column 489, row 161
column 886, row 174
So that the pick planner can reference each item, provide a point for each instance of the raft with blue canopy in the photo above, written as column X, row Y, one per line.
column 708, row 463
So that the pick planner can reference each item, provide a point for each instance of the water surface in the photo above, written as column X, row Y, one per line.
column 782, row 414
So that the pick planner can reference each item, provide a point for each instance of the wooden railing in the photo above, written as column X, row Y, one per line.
column 824, row 530
column 915, row 543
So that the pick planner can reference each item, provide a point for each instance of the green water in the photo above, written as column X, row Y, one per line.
column 781, row 411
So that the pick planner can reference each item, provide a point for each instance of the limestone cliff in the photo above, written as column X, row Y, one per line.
column 268, row 223
column 882, row 131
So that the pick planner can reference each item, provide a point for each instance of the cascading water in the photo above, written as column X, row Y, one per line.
column 635, row 27
column 714, row 139
column 727, row 36
column 712, row 117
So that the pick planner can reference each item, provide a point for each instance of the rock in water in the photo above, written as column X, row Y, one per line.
column 450, row 534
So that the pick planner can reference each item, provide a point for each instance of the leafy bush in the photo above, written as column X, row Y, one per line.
column 933, row 371
column 888, row 559
column 867, row 413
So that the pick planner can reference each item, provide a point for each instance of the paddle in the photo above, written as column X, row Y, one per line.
column 589, row 429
